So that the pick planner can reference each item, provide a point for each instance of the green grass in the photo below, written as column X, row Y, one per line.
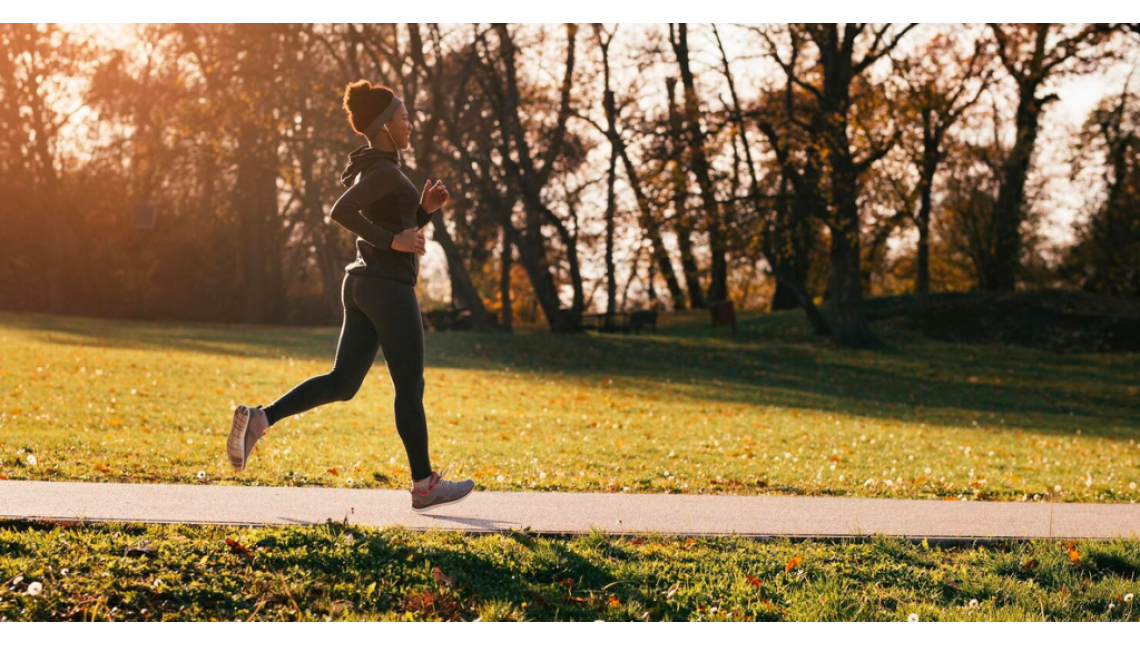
column 344, row 572
column 691, row 409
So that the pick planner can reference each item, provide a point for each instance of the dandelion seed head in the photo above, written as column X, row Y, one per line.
column 912, row 617
column 35, row 587
column 1128, row 598
column 31, row 460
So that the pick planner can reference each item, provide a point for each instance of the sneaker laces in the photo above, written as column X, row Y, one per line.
column 434, row 481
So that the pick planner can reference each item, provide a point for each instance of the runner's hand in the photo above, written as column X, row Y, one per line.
column 410, row 241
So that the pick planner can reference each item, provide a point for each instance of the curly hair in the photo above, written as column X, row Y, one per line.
column 363, row 101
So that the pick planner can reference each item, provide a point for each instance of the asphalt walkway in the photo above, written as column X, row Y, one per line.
column 572, row 513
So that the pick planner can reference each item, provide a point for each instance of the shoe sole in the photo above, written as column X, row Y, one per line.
column 420, row 510
column 235, row 445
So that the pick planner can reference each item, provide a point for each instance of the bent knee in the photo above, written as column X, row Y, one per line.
column 344, row 388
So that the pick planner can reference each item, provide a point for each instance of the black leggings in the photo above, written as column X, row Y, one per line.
column 379, row 313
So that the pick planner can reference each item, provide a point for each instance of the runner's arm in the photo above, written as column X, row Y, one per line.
column 347, row 209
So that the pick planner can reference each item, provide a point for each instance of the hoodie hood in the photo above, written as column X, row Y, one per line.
column 364, row 159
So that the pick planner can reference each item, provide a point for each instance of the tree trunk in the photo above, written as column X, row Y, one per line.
column 462, row 287
column 505, row 281
column 681, row 216
column 848, row 325
column 718, row 286
column 1009, row 210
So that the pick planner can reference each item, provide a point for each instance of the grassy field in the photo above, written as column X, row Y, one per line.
column 691, row 409
column 334, row 571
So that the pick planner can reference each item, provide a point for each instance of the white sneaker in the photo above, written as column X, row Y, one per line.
column 248, row 427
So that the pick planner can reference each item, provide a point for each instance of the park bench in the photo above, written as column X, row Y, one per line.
column 625, row 322
column 641, row 319
column 453, row 318
column 606, row 322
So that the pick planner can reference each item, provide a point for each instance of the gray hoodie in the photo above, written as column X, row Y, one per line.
column 380, row 202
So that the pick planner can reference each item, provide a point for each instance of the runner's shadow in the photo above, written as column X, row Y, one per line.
column 481, row 523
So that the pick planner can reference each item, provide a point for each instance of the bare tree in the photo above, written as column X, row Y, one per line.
column 1032, row 53
column 776, row 210
column 828, row 80
column 942, row 82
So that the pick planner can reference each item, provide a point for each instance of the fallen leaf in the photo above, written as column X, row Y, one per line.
column 614, row 603
column 238, row 548
column 753, row 580
column 449, row 579
column 796, row 560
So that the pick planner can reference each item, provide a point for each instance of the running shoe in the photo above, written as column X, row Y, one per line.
column 248, row 427
column 440, row 492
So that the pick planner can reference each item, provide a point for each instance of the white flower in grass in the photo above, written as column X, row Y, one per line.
column 201, row 475
column 499, row 478
column 31, row 459
column 973, row 603
column 1128, row 598
column 349, row 481
column 1057, row 488
column 912, row 617
column 35, row 587
column 1132, row 485
column 63, row 572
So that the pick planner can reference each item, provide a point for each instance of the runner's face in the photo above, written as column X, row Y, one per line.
column 400, row 127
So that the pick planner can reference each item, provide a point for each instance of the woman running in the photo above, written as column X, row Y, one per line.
column 383, row 208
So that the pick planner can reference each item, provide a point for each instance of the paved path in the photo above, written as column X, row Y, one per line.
column 572, row 513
